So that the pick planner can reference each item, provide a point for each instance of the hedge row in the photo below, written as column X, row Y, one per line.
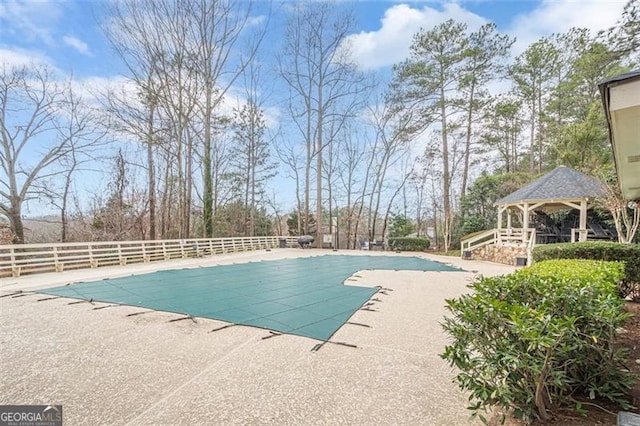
column 408, row 243
column 540, row 339
column 627, row 253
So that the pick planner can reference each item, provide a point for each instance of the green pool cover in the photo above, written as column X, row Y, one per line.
column 303, row 296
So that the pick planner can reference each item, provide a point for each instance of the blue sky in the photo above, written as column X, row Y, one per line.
column 66, row 35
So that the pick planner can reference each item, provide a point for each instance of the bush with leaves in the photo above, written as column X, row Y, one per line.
column 600, row 250
column 540, row 339
column 408, row 243
column 400, row 226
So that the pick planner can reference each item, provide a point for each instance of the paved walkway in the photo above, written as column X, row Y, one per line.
column 107, row 367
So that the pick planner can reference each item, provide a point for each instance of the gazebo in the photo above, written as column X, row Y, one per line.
column 561, row 188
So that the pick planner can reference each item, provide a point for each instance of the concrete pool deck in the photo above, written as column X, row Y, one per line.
column 106, row 367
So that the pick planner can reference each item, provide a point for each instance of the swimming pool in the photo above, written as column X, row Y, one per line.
column 302, row 296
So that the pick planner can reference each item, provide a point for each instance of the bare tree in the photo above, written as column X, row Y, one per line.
column 82, row 130
column 391, row 133
column 220, row 26
column 289, row 156
column 405, row 174
column 324, row 84
column 251, row 164
column 32, row 114
column 626, row 214
column 138, row 117
column 187, row 49
column 352, row 153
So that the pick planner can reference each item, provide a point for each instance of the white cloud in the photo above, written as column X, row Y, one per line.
column 558, row 16
column 254, row 21
column 77, row 44
column 90, row 89
column 15, row 57
column 390, row 44
column 32, row 20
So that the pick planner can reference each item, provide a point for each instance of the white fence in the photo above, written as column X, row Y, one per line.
column 16, row 260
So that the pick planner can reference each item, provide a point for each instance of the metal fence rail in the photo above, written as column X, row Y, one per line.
column 16, row 260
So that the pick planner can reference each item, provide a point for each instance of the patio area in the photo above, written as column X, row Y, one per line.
column 129, row 365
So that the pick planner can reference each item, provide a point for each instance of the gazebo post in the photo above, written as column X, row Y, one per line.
column 508, row 219
column 525, row 222
column 583, row 221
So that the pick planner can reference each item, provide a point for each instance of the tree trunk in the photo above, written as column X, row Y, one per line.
column 467, row 152
column 15, row 221
column 319, row 228
column 207, row 196
column 152, row 177
column 307, row 176
column 188, row 186
column 532, row 137
column 539, row 135
column 445, row 167
column 435, row 212
column 63, row 210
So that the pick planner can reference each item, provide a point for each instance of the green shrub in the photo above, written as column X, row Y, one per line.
column 534, row 340
column 627, row 253
column 408, row 243
column 595, row 272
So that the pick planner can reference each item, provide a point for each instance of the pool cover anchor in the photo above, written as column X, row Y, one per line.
column 48, row 298
column 134, row 313
column 383, row 290
column 81, row 301
column 222, row 328
column 184, row 318
column 11, row 294
column 319, row 346
column 22, row 294
column 273, row 334
column 358, row 324
column 97, row 308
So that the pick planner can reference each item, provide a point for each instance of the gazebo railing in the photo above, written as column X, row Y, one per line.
column 506, row 237
column 483, row 239
column 515, row 236
column 581, row 234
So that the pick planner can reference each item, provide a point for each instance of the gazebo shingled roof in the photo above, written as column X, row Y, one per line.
column 562, row 183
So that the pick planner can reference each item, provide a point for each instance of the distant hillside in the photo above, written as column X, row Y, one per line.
column 42, row 229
